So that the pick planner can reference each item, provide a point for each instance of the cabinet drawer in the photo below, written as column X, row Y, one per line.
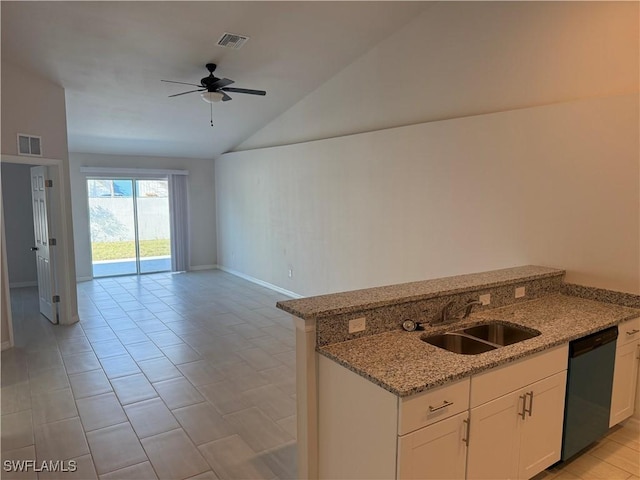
column 513, row 376
column 629, row 331
column 426, row 408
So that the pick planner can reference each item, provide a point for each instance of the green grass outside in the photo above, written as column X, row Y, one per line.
column 118, row 250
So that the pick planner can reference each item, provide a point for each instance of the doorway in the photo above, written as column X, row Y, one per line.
column 15, row 245
column 130, row 225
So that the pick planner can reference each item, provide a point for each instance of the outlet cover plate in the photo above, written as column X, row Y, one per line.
column 357, row 324
column 520, row 292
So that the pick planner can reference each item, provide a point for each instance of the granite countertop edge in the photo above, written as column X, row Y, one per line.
column 316, row 307
column 467, row 365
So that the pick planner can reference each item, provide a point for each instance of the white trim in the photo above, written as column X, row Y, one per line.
column 23, row 284
column 84, row 279
column 4, row 279
column 262, row 283
column 66, row 282
column 130, row 171
column 5, row 345
column 21, row 159
column 195, row 268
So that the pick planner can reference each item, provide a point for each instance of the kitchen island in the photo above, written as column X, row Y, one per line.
column 403, row 365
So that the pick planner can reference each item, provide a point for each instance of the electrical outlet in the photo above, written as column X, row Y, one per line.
column 357, row 324
column 520, row 292
column 485, row 299
column 291, row 273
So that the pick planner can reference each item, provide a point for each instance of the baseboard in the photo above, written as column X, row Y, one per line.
column 262, row 283
column 83, row 279
column 5, row 345
column 23, row 284
column 195, row 268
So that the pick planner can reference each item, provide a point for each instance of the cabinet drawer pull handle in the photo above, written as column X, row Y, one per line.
column 530, row 395
column 633, row 332
column 467, row 423
column 444, row 405
column 524, row 406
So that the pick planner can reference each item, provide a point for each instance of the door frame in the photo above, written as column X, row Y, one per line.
column 62, row 222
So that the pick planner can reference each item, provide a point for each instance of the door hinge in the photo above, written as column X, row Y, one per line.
column 53, row 242
column 48, row 183
column 56, row 299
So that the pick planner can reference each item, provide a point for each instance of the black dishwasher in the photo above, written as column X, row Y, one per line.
column 589, row 384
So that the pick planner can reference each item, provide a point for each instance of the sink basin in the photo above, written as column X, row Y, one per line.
column 481, row 338
column 456, row 343
column 500, row 334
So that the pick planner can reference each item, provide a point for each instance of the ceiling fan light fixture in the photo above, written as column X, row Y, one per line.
column 211, row 97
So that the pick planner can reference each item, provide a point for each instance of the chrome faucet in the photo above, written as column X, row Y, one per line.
column 447, row 315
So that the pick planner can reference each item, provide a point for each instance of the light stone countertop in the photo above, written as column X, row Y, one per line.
column 357, row 300
column 403, row 364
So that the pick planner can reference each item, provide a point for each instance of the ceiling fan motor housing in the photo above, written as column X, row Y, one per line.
column 207, row 82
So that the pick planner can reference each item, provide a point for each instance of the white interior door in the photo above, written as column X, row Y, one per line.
column 41, row 227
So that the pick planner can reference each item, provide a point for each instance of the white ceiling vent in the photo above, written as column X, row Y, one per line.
column 232, row 40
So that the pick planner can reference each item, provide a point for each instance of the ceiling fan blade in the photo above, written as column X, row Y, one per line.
column 190, row 91
column 225, row 97
column 244, row 90
column 221, row 82
column 182, row 83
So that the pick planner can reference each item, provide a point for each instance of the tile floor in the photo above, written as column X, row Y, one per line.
column 166, row 376
column 178, row 376
column 615, row 457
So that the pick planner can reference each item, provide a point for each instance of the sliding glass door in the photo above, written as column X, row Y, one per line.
column 152, row 207
column 129, row 221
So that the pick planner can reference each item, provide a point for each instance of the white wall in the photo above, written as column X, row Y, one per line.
column 467, row 58
column 18, row 220
column 33, row 105
column 551, row 177
column 201, row 200
column 554, row 185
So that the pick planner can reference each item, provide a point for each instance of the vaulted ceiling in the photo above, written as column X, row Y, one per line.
column 111, row 56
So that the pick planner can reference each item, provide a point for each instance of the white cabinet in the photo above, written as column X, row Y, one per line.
column 494, row 438
column 519, row 433
column 438, row 422
column 438, row 451
column 625, row 374
column 502, row 423
column 541, row 433
column 366, row 432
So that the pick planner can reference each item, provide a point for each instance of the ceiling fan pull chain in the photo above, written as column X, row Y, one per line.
column 211, row 108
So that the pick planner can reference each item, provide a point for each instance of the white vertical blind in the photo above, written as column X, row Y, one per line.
column 179, row 209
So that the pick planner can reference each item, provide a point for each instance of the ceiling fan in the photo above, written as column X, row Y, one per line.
column 213, row 89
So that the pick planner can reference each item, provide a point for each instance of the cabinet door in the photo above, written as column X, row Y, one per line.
column 494, row 438
column 541, row 434
column 625, row 377
column 438, row 451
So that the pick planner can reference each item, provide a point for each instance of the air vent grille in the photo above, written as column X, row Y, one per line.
column 29, row 145
column 232, row 40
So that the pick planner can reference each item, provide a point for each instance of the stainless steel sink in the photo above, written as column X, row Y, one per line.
column 500, row 333
column 456, row 343
column 481, row 338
